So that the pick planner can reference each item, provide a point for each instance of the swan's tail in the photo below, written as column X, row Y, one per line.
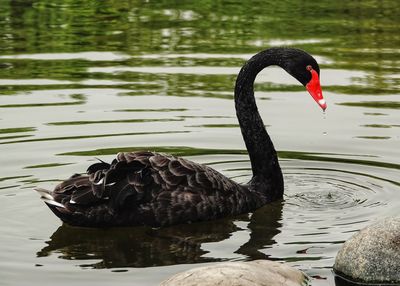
column 56, row 207
column 46, row 196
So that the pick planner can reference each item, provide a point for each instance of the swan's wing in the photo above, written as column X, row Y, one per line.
column 170, row 172
column 167, row 188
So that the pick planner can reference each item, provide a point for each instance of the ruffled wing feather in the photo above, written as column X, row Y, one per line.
column 147, row 188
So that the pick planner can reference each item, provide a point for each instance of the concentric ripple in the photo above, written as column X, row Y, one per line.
column 328, row 189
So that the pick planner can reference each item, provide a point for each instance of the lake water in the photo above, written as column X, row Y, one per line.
column 81, row 80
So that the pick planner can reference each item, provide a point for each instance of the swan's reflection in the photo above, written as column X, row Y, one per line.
column 145, row 247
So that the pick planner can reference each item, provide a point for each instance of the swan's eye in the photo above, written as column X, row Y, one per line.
column 309, row 68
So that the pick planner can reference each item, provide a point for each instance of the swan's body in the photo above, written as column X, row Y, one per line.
column 152, row 189
column 146, row 188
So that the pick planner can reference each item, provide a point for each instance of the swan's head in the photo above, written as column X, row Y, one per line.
column 305, row 69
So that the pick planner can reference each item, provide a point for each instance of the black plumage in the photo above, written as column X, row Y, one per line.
column 147, row 188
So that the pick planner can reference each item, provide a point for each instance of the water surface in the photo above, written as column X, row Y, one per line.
column 80, row 81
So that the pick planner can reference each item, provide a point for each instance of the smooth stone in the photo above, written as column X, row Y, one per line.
column 373, row 254
column 254, row 273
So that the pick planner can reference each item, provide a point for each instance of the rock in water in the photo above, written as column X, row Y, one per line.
column 254, row 273
column 373, row 254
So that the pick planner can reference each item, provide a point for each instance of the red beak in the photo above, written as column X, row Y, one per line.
column 314, row 88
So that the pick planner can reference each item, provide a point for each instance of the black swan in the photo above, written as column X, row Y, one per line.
column 153, row 189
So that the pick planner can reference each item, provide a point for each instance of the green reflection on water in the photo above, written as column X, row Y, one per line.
column 17, row 130
column 41, row 104
column 373, row 104
column 151, row 110
column 377, row 126
column 49, row 165
column 174, row 150
column 344, row 33
column 191, row 151
column 370, row 90
column 216, row 125
column 14, row 137
column 13, row 177
column 114, row 121
column 374, row 137
column 90, row 136
column 375, row 114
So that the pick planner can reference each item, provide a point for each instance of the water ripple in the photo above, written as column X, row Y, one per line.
column 332, row 190
column 88, row 56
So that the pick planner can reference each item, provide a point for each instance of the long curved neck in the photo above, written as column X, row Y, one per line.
column 267, row 175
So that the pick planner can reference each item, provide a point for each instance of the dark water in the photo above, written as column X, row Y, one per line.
column 84, row 79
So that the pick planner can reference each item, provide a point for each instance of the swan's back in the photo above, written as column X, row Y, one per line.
column 146, row 188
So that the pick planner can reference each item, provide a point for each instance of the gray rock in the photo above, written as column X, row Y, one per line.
column 373, row 254
column 252, row 273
